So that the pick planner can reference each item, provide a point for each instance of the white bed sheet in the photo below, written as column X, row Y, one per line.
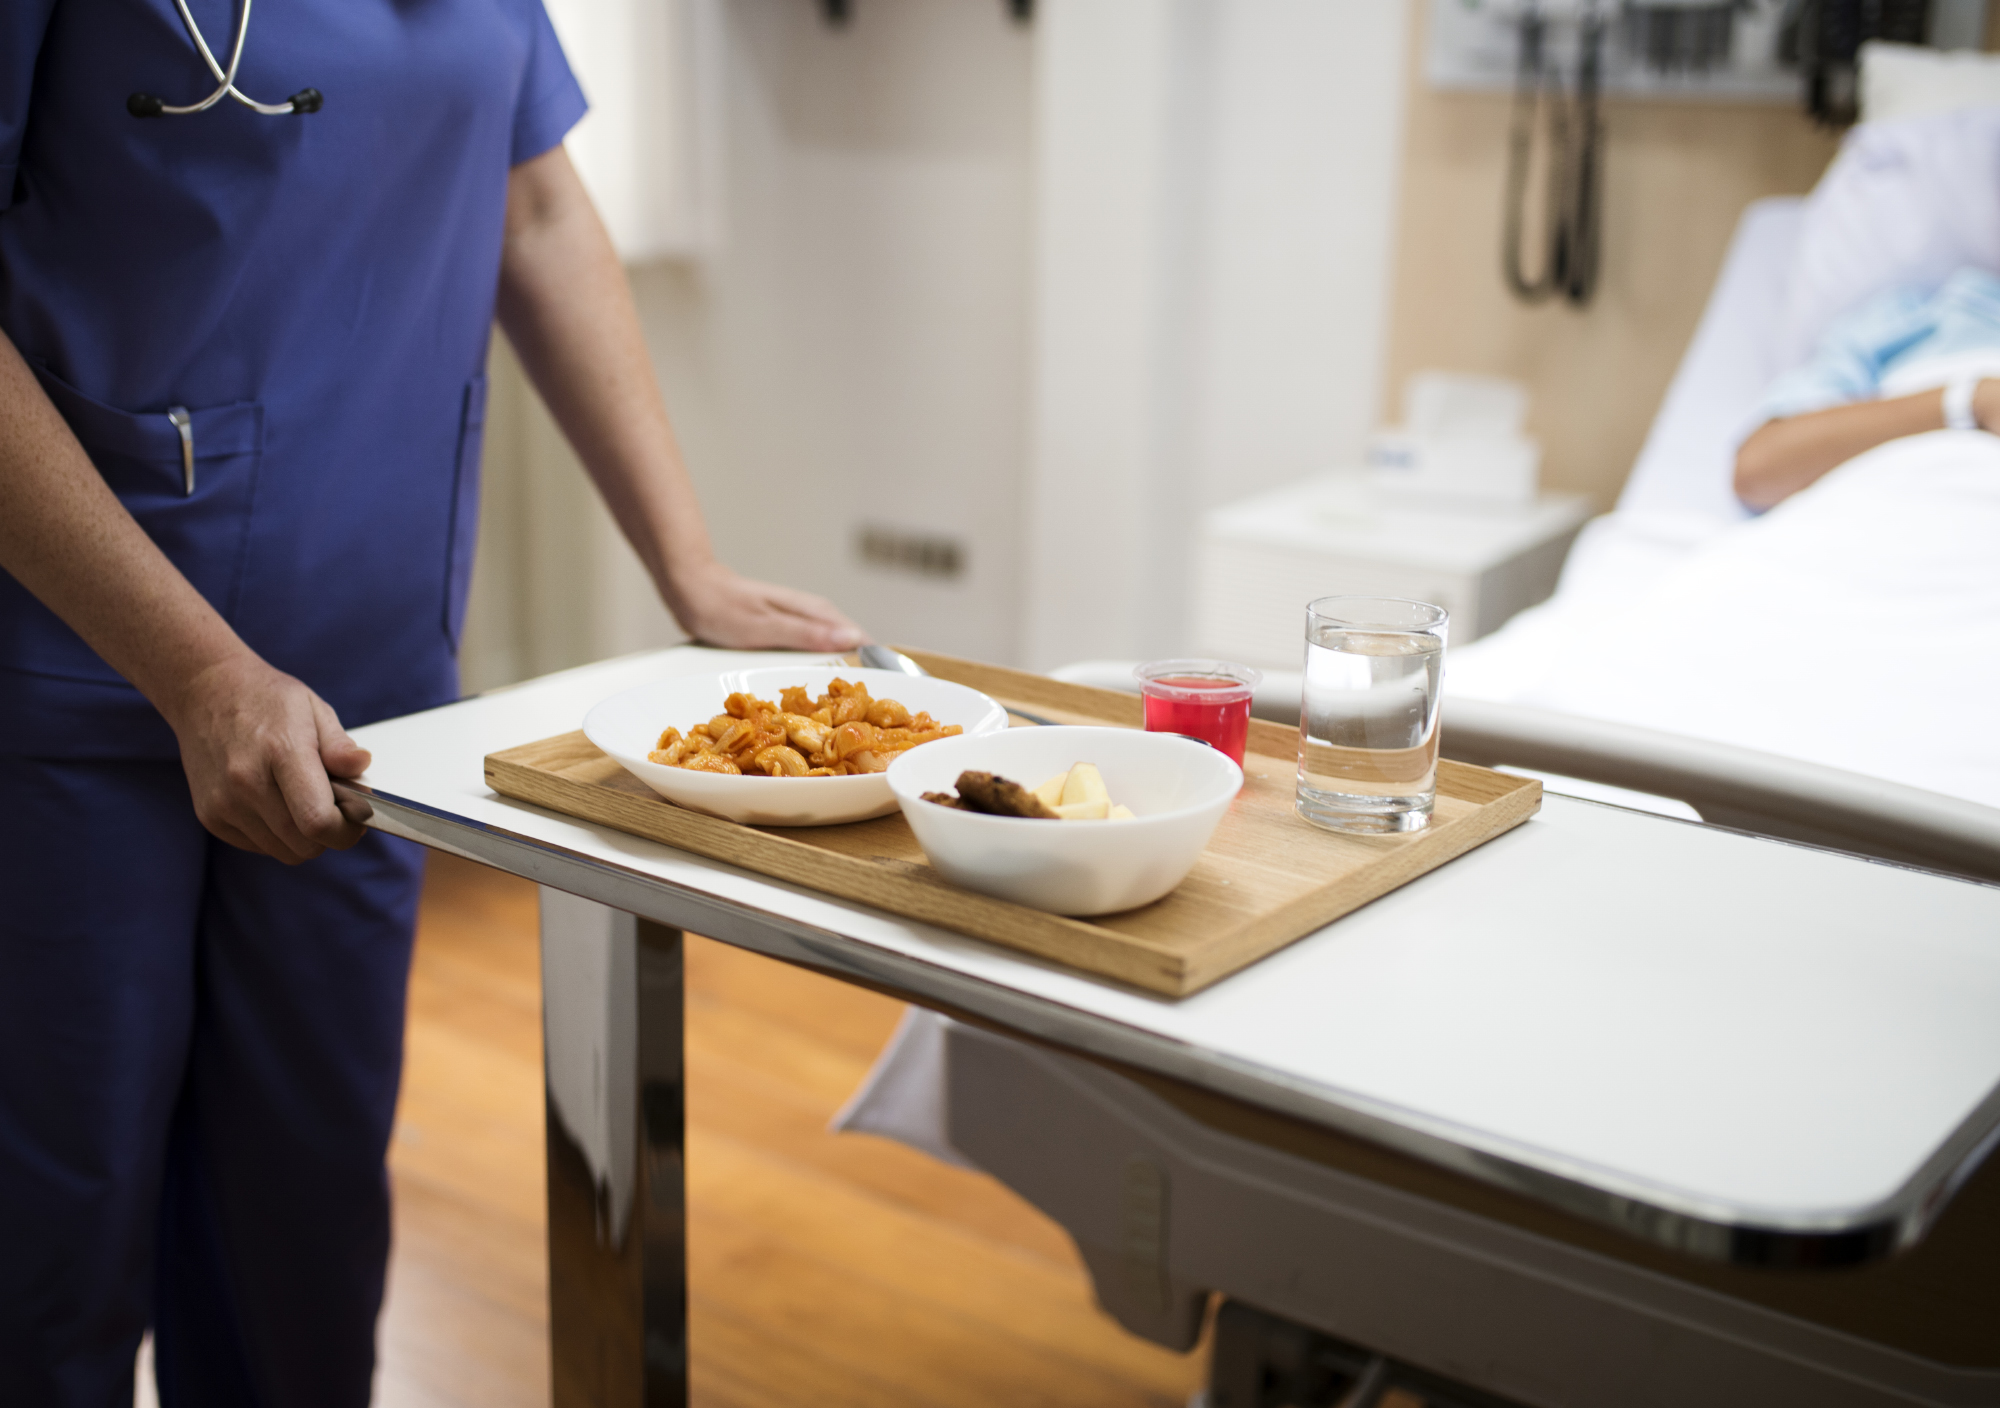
column 1857, row 625
column 1678, row 497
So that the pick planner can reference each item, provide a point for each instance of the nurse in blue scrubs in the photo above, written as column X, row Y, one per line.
column 241, row 397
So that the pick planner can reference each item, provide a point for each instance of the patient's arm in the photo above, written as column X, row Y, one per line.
column 1784, row 456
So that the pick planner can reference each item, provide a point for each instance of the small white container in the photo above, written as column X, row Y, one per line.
column 627, row 726
column 1178, row 788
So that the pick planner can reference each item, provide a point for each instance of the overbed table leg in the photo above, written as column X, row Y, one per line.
column 617, row 1172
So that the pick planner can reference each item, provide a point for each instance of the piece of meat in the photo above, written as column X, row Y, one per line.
column 945, row 799
column 999, row 796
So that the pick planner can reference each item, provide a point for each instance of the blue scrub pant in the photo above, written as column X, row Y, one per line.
column 199, row 1055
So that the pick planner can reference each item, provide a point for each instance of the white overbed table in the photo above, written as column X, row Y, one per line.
column 1745, row 1050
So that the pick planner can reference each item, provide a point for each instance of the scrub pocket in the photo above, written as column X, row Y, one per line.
column 205, row 534
column 464, row 508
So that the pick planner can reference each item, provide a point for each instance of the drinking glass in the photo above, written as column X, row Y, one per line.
column 1368, row 731
column 1205, row 699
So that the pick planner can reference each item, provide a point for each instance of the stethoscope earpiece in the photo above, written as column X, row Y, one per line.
column 146, row 105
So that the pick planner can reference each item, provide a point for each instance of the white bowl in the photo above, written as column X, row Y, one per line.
column 1178, row 788
column 627, row 726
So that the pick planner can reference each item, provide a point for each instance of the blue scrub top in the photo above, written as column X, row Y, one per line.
column 316, row 289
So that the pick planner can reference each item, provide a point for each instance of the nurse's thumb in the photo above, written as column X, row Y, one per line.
column 342, row 756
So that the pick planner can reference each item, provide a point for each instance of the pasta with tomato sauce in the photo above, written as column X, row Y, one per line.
column 842, row 733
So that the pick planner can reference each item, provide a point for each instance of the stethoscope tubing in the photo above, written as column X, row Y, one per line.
column 225, row 78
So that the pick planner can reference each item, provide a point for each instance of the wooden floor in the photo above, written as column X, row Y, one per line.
column 826, row 1270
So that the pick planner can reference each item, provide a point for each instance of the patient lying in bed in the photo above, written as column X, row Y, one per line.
column 1855, row 625
column 1905, row 362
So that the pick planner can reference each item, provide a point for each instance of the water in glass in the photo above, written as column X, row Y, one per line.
column 1368, row 735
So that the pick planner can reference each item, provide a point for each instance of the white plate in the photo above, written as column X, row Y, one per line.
column 627, row 726
column 1179, row 789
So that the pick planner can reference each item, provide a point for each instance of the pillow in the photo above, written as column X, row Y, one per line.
column 1908, row 80
column 1690, row 453
column 1909, row 200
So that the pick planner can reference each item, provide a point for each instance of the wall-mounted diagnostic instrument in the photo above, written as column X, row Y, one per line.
column 1560, row 58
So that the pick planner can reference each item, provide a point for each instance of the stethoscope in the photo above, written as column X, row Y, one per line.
column 146, row 105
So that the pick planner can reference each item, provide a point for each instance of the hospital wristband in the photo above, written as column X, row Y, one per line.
column 1958, row 394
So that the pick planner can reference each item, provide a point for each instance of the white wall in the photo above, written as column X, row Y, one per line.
column 650, row 148
column 846, row 345
column 1047, row 290
column 855, row 350
column 1216, row 195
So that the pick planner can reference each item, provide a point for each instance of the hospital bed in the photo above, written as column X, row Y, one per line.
column 1848, row 778
column 1338, row 1267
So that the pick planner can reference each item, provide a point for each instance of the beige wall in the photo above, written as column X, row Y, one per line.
column 1676, row 176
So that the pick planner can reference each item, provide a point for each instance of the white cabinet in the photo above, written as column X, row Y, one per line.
column 1259, row 561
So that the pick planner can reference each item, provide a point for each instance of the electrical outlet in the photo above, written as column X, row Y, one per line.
column 904, row 550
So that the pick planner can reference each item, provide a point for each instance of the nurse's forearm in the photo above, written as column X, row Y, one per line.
column 1784, row 456
column 565, row 305
column 567, row 308
column 66, row 538
column 257, row 744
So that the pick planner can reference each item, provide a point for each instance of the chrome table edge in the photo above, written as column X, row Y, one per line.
column 1706, row 1229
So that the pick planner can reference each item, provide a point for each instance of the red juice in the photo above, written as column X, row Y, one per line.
column 1179, row 706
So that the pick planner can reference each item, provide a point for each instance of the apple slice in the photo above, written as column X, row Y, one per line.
column 1085, row 784
column 1084, row 811
column 1050, row 792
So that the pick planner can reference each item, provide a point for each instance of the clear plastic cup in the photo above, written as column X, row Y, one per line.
column 1205, row 699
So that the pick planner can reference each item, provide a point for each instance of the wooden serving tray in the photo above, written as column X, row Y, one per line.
column 1266, row 879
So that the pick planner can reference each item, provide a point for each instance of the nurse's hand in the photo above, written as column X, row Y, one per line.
column 716, row 606
column 260, row 749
